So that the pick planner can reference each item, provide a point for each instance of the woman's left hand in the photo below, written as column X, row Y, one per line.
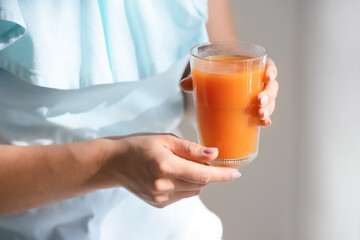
column 265, row 99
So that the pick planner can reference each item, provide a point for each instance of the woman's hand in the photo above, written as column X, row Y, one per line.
column 265, row 99
column 160, row 168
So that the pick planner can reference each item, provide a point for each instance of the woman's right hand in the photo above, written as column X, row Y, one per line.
column 160, row 168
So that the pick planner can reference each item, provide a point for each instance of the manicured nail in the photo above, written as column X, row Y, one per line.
column 264, row 99
column 210, row 150
column 265, row 114
column 235, row 175
column 272, row 76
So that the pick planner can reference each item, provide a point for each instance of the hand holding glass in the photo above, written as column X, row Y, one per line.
column 227, row 77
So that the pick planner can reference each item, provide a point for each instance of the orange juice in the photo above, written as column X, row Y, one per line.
column 226, row 109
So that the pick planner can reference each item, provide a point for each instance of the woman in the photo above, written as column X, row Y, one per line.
column 73, row 74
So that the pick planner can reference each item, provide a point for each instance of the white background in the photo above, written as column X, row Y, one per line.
column 305, row 184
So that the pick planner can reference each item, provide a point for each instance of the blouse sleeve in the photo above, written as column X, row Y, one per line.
column 12, row 25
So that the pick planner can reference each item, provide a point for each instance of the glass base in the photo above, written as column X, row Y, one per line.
column 233, row 162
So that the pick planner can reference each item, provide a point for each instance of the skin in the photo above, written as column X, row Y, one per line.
column 158, row 168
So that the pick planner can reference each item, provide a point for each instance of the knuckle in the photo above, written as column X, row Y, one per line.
column 162, row 168
column 204, row 178
column 170, row 188
column 158, row 187
column 161, row 185
column 191, row 147
column 158, row 199
column 169, row 136
column 159, row 168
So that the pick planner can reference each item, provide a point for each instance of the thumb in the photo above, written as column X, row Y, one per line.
column 191, row 150
column 187, row 84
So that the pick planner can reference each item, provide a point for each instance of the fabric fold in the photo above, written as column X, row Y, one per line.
column 12, row 25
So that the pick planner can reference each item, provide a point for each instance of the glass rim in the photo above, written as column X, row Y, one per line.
column 232, row 42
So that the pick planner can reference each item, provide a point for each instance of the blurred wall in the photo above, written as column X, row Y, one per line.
column 305, row 182
column 327, row 193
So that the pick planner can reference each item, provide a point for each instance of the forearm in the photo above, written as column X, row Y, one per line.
column 33, row 176
column 220, row 25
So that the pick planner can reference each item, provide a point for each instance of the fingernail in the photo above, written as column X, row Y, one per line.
column 265, row 114
column 272, row 76
column 210, row 150
column 264, row 99
column 235, row 175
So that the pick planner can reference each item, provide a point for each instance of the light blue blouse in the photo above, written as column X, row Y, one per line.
column 73, row 44
column 73, row 70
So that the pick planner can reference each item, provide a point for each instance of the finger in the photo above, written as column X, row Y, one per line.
column 182, row 186
column 271, row 70
column 187, row 84
column 190, row 150
column 266, row 122
column 185, row 194
column 165, row 200
column 201, row 174
column 265, row 112
column 163, row 188
column 163, row 185
column 269, row 94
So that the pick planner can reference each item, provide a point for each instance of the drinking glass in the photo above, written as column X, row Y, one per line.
column 227, row 77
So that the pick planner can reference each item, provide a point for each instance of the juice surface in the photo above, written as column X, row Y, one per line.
column 225, row 98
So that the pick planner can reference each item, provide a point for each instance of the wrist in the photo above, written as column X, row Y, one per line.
column 88, row 156
column 103, row 162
